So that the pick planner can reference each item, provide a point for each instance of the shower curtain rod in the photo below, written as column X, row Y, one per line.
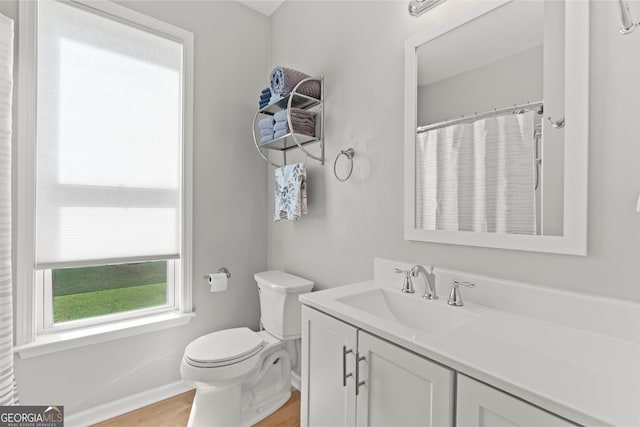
column 513, row 109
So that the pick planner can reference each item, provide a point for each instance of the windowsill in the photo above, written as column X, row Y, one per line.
column 66, row 340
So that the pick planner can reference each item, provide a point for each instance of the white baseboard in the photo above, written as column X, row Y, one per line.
column 124, row 405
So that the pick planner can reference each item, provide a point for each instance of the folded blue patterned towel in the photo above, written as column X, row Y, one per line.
column 265, row 97
column 290, row 192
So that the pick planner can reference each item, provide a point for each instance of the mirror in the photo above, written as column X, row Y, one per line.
column 496, row 127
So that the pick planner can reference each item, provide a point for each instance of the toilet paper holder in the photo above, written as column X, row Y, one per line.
column 222, row 270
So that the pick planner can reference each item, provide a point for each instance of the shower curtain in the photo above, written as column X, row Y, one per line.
column 477, row 176
column 8, row 391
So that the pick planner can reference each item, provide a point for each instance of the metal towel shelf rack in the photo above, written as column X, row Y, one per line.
column 294, row 140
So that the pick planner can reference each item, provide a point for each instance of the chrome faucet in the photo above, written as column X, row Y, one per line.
column 407, row 284
column 430, row 287
column 455, row 297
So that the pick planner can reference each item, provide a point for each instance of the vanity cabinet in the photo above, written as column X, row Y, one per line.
column 352, row 378
column 481, row 405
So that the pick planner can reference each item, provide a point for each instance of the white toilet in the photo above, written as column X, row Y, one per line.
column 243, row 376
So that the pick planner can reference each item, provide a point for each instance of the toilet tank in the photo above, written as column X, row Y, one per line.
column 279, row 306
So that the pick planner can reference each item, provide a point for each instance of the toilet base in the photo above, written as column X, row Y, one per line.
column 247, row 402
column 251, row 416
column 208, row 411
column 211, row 407
column 267, row 392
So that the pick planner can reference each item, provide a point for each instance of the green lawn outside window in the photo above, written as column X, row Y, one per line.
column 83, row 292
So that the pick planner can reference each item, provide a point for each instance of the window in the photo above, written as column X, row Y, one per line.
column 105, row 188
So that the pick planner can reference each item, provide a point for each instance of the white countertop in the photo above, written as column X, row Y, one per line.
column 585, row 376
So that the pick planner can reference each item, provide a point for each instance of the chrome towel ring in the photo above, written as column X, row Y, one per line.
column 348, row 153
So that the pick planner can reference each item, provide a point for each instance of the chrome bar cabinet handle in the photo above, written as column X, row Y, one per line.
column 344, row 365
column 358, row 382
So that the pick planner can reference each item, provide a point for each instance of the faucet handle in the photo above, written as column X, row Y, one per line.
column 407, row 284
column 455, row 297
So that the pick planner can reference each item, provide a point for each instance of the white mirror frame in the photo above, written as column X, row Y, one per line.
column 576, row 142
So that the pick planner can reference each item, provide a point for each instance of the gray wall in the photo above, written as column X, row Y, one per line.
column 359, row 49
column 229, row 211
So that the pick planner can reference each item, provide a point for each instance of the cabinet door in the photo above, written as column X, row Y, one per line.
column 328, row 357
column 401, row 388
column 481, row 405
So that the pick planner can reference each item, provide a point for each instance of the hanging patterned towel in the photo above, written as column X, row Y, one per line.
column 290, row 192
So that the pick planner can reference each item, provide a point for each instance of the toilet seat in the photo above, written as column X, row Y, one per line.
column 223, row 348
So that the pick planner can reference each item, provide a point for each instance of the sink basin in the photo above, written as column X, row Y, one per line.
column 431, row 317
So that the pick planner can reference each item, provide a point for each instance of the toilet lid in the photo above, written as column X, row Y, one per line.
column 224, row 346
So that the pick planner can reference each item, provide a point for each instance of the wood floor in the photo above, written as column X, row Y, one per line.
column 174, row 412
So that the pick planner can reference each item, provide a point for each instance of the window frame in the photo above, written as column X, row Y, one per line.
column 30, row 290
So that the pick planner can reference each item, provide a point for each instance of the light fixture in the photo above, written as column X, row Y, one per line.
column 628, row 26
column 418, row 7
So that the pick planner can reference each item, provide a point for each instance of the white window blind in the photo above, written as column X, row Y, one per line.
column 109, row 138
